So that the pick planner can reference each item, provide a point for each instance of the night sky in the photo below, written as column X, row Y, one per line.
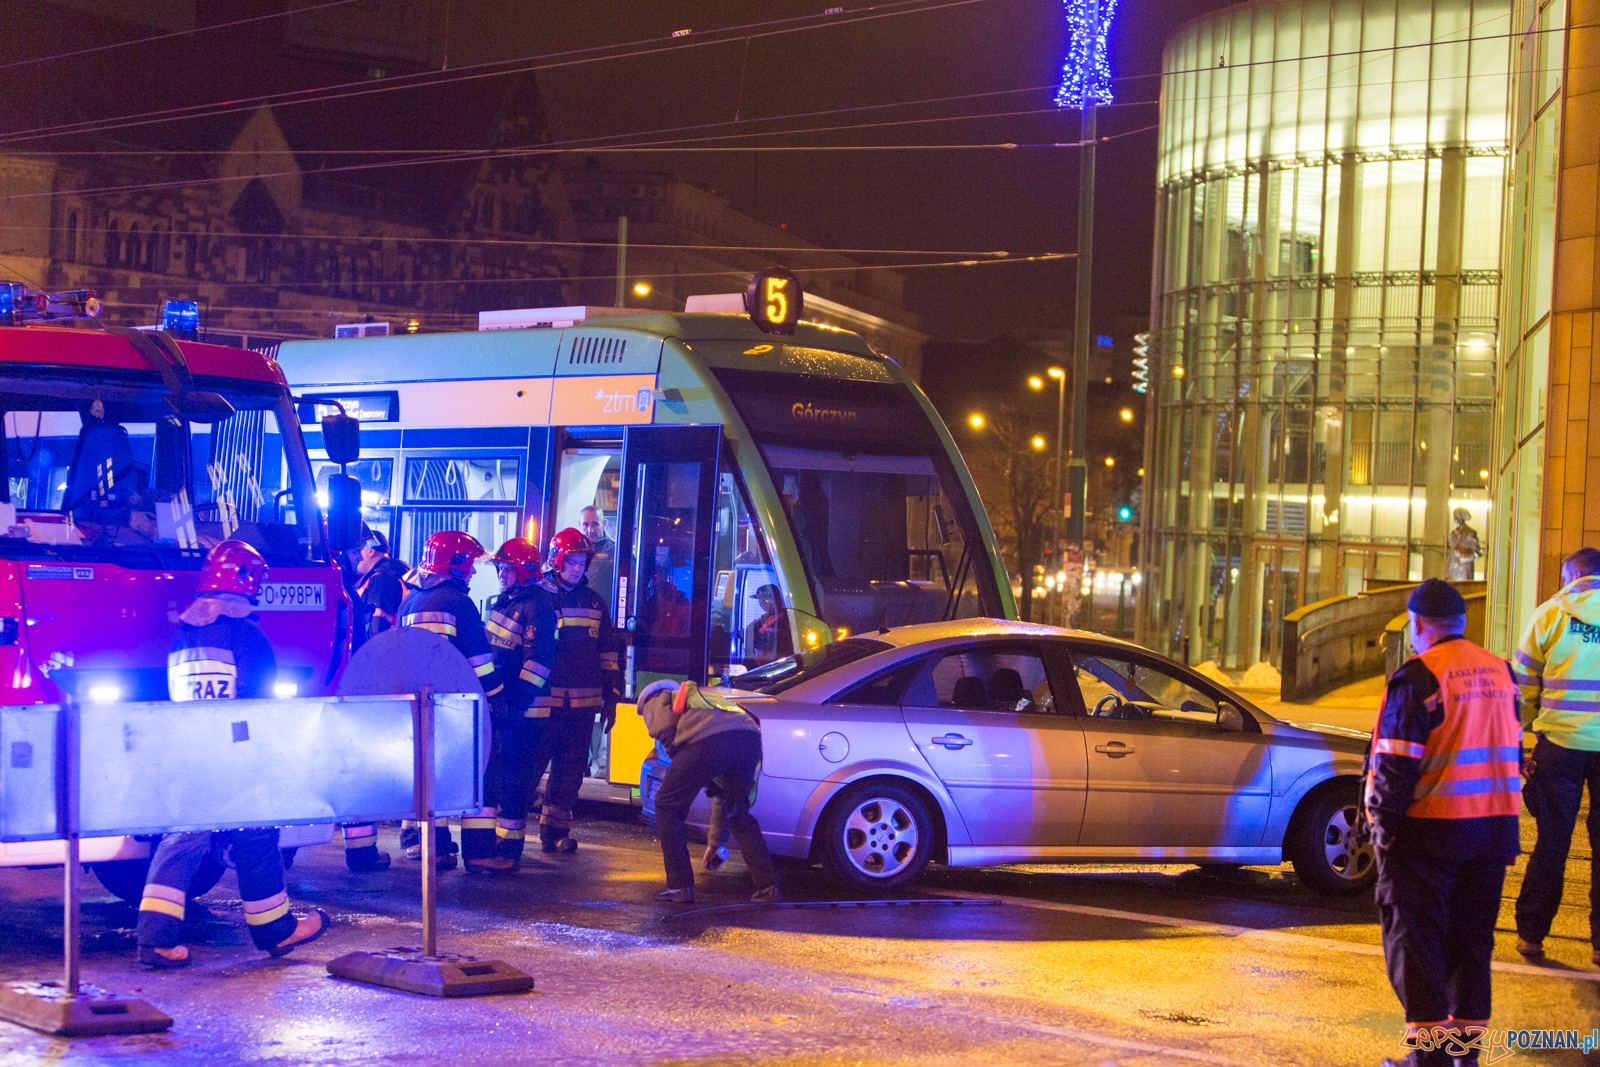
column 1021, row 200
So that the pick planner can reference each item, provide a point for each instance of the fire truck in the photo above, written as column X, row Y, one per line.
column 127, row 454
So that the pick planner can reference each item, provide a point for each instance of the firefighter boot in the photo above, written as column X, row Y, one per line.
column 361, row 848
column 509, row 837
column 555, row 830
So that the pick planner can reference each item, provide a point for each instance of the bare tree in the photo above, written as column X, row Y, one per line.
column 1014, row 474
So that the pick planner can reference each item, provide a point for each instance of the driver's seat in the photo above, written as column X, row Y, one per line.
column 1005, row 690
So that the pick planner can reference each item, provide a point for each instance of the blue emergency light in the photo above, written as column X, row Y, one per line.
column 181, row 318
column 8, row 303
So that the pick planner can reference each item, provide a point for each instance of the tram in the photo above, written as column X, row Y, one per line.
column 756, row 485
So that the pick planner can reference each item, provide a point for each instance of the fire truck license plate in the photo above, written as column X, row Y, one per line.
column 292, row 596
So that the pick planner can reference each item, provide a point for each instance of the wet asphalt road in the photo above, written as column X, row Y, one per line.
column 1094, row 967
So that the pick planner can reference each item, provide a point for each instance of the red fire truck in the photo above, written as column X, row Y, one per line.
column 127, row 454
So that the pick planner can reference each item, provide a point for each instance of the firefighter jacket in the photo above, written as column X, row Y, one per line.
column 1447, row 748
column 220, row 654
column 1558, row 666
column 378, row 596
column 445, row 608
column 513, row 630
column 576, row 647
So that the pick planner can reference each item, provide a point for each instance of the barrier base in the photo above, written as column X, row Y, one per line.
column 94, row 1012
column 444, row 975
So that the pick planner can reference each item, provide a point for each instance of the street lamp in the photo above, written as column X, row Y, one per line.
column 1111, row 461
column 975, row 420
column 641, row 288
column 1035, row 382
column 1127, row 414
column 1039, row 442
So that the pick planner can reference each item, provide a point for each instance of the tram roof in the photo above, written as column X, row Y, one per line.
column 525, row 353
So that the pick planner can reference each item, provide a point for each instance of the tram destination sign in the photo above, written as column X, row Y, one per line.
column 774, row 300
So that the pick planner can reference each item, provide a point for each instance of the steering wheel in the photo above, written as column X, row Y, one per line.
column 1106, row 707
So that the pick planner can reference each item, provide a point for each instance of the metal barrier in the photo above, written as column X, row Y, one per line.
column 1337, row 641
column 71, row 771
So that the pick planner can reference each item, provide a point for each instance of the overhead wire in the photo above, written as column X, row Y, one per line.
column 523, row 65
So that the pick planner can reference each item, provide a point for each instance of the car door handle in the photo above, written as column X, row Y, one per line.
column 1114, row 749
column 953, row 741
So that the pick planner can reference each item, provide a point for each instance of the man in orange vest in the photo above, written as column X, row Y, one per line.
column 1443, row 790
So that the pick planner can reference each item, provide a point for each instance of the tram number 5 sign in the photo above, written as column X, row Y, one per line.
column 774, row 300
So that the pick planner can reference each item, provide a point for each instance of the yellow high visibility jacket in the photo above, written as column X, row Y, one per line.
column 1557, row 667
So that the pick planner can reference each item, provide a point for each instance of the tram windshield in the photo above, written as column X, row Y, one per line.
column 873, row 501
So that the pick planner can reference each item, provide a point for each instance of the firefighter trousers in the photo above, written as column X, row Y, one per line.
column 562, row 745
column 501, row 824
column 360, row 845
column 260, row 869
column 1438, row 915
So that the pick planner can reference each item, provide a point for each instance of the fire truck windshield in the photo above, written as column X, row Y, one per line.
column 103, row 470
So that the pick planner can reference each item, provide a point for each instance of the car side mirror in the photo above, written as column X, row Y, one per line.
column 341, row 438
column 1230, row 718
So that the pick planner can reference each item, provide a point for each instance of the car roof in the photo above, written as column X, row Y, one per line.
column 924, row 632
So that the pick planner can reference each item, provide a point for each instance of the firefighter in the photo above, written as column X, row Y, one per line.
column 1443, row 788
column 512, row 629
column 441, row 604
column 221, row 654
column 373, row 580
column 574, row 643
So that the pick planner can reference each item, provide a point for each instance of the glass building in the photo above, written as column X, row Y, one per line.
column 1326, row 297
column 1516, row 559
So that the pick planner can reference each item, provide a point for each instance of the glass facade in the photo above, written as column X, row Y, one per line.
column 1326, row 303
column 1530, row 244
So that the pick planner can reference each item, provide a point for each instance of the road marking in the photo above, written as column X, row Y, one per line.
column 1251, row 932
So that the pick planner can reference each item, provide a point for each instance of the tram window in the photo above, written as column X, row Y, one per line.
column 588, row 483
column 876, row 535
column 491, row 528
column 749, row 626
column 496, row 478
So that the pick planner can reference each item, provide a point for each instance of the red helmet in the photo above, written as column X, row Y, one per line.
column 233, row 567
column 565, row 542
column 450, row 554
column 523, row 554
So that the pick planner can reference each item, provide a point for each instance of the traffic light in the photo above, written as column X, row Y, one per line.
column 1141, row 362
column 1125, row 513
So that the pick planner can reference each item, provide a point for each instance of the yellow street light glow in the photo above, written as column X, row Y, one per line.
column 1111, row 461
column 1056, row 372
column 975, row 420
column 1038, row 442
column 1127, row 414
column 1483, row 475
column 641, row 288
column 1141, row 472
column 1035, row 382
column 1177, row 372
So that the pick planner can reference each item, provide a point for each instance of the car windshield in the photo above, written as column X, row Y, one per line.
column 103, row 469
column 790, row 671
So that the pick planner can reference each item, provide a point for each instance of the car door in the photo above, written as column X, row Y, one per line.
column 1163, row 773
column 986, row 718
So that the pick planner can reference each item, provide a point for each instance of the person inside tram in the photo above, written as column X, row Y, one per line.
column 768, row 637
column 603, row 566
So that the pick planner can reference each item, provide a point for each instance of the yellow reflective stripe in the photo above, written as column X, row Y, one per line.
column 163, row 907
column 510, row 835
column 583, row 702
column 531, row 678
column 261, row 912
column 537, row 712
column 492, row 692
column 472, row 822
column 440, row 628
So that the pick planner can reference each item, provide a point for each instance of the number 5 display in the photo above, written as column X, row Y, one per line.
column 774, row 300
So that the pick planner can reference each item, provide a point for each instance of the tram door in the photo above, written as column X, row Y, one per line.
column 667, row 517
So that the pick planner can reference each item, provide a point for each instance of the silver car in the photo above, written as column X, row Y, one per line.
column 984, row 741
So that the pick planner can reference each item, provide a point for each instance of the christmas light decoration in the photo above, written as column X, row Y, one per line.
column 1086, row 74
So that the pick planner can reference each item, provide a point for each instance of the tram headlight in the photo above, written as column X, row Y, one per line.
column 285, row 690
column 105, row 693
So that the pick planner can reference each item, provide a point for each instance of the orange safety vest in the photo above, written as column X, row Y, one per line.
column 1472, row 762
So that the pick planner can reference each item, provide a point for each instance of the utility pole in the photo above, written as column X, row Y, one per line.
column 622, row 261
column 1078, row 470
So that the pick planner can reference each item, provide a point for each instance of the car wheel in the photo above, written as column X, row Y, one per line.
column 878, row 836
column 126, row 878
column 1325, row 853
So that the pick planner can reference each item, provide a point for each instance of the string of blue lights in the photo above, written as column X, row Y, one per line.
column 1086, row 73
